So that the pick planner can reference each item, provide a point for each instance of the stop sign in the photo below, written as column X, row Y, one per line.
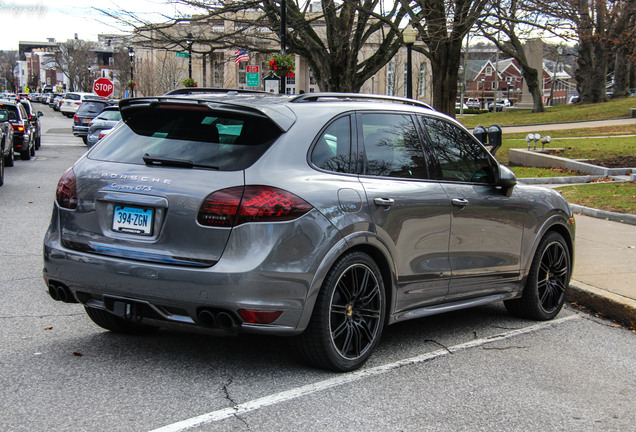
column 103, row 87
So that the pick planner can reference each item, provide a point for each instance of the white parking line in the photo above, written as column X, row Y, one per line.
column 340, row 380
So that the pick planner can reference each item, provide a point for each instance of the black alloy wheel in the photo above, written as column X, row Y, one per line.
column 548, row 281
column 348, row 317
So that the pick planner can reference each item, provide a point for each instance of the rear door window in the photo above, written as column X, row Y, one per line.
column 392, row 146
column 200, row 137
column 332, row 151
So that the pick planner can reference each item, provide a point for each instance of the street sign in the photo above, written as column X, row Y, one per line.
column 103, row 87
column 253, row 77
column 183, row 54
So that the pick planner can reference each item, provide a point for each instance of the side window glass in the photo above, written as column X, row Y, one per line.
column 460, row 157
column 332, row 151
column 392, row 146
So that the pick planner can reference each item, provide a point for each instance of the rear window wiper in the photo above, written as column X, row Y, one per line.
column 179, row 163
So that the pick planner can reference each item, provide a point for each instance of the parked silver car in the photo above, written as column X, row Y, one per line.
column 323, row 216
column 107, row 119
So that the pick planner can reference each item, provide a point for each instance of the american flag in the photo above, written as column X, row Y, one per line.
column 241, row 56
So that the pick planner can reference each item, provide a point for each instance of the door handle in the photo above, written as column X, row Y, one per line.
column 385, row 202
column 459, row 202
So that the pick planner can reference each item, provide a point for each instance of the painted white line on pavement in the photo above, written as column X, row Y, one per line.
column 340, row 380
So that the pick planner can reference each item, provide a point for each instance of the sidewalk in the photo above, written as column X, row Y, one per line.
column 604, row 274
column 604, row 277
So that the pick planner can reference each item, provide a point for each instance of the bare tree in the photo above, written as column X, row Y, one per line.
column 507, row 24
column 75, row 58
column 330, row 37
column 442, row 26
column 602, row 27
column 8, row 62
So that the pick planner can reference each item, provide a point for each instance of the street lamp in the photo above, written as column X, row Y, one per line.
column 131, row 54
column 189, row 41
column 408, row 36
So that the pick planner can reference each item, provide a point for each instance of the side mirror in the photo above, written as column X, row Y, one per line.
column 507, row 180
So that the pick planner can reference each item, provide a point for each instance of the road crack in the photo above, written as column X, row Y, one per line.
column 233, row 402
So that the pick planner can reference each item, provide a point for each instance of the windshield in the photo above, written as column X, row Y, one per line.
column 202, row 138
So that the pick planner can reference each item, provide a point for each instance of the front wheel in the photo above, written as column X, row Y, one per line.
column 348, row 317
column 116, row 324
column 548, row 281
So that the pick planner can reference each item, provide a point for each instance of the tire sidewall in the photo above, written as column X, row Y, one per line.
column 323, row 312
column 531, row 292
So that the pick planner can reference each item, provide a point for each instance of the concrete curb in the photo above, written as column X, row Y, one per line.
column 559, row 180
column 602, row 214
column 610, row 305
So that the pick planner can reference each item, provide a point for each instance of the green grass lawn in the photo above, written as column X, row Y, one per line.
column 531, row 172
column 615, row 197
column 578, row 148
column 563, row 113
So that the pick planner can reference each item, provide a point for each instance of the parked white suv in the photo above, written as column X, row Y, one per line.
column 73, row 100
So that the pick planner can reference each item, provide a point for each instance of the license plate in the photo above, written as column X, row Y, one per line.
column 133, row 220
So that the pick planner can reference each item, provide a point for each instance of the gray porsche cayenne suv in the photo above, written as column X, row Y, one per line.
column 324, row 217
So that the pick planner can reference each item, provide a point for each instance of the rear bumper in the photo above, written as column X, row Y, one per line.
column 266, row 277
column 80, row 131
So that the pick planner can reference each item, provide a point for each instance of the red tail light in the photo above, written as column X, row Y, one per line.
column 75, row 118
column 237, row 205
column 18, row 128
column 66, row 194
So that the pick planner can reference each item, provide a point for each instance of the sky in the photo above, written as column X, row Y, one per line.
column 39, row 20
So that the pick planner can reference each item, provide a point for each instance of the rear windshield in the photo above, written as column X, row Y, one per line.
column 91, row 107
column 110, row 115
column 207, row 139
column 72, row 96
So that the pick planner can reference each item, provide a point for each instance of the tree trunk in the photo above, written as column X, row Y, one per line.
column 531, row 76
column 621, row 74
column 445, row 68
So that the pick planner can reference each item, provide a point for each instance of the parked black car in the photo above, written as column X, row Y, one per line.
column 23, row 141
column 34, row 118
column 86, row 112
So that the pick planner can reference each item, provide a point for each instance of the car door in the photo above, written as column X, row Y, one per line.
column 409, row 210
column 486, row 225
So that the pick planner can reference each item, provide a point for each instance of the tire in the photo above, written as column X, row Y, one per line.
column 116, row 324
column 25, row 155
column 547, row 283
column 32, row 150
column 85, row 139
column 38, row 143
column 1, row 169
column 348, row 317
column 8, row 161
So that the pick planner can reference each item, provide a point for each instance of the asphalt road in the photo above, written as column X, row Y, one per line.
column 474, row 370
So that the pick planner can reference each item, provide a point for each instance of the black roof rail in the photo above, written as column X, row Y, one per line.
column 326, row 97
column 199, row 90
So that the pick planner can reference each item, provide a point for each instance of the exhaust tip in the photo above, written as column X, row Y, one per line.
column 225, row 321
column 53, row 292
column 207, row 318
